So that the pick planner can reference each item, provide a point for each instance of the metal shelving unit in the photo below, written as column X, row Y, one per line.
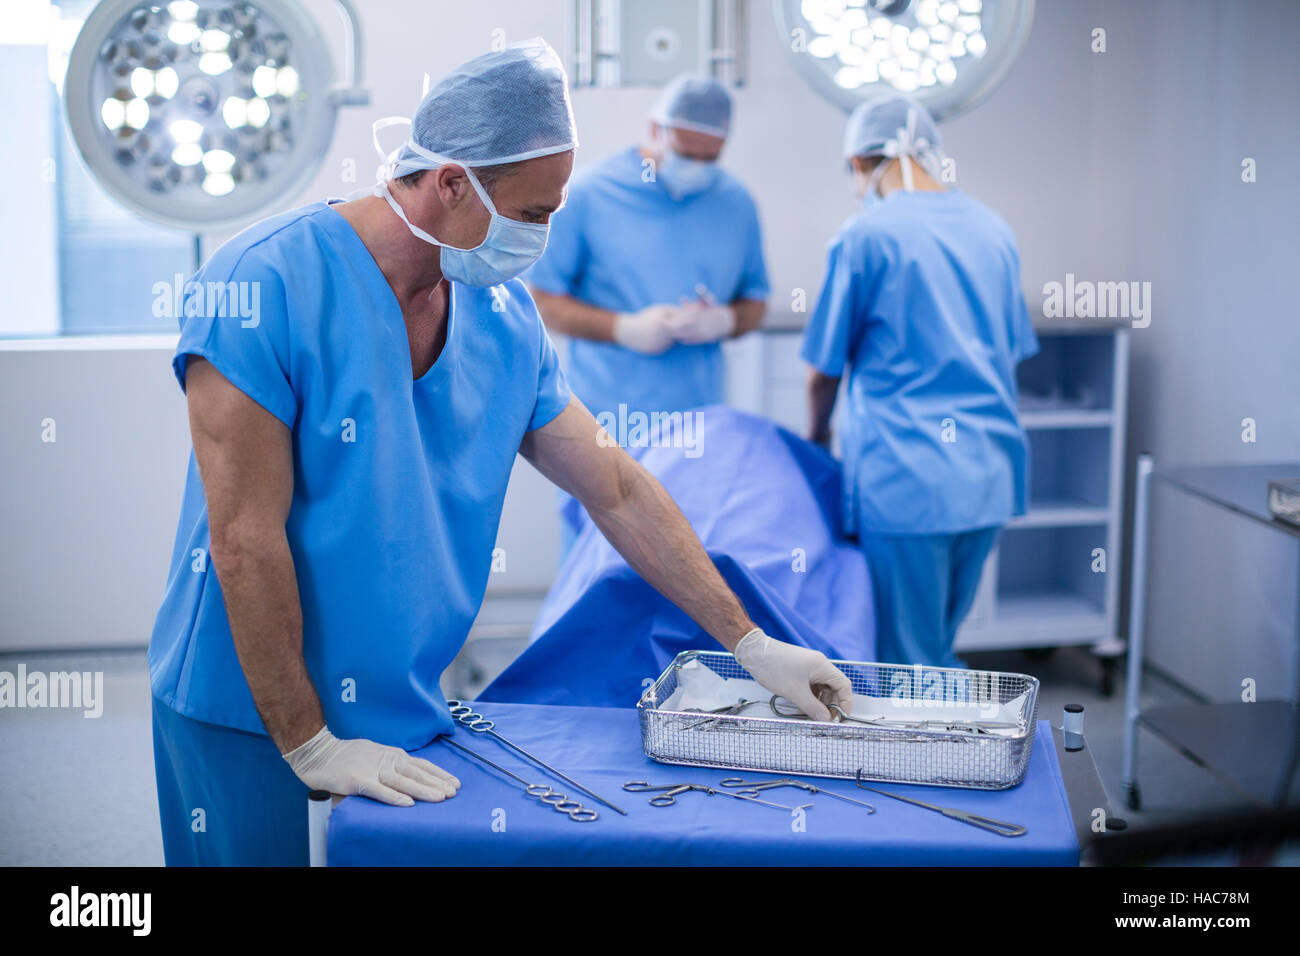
column 1053, row 579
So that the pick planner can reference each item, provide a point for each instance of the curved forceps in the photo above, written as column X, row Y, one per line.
column 1000, row 827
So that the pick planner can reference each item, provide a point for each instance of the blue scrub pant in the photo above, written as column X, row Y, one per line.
column 924, row 585
column 254, row 810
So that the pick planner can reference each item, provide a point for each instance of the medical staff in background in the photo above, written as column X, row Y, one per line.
column 352, row 446
column 656, row 258
column 922, row 310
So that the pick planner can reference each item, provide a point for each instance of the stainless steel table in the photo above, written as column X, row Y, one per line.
column 1252, row 747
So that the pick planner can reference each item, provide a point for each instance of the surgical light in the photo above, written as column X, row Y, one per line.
column 949, row 54
column 202, row 115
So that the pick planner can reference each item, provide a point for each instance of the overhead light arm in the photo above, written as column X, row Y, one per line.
column 351, row 92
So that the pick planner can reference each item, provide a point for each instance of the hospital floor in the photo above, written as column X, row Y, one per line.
column 77, row 791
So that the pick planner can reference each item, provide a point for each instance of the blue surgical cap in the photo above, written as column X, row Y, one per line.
column 502, row 107
column 889, row 124
column 694, row 102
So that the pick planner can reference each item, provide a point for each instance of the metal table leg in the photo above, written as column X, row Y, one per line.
column 1292, row 759
column 1136, row 628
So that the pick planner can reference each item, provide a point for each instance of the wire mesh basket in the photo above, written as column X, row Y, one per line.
column 949, row 758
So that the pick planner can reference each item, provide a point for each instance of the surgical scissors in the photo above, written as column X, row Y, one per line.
column 666, row 795
column 543, row 792
column 481, row 725
column 752, row 788
column 965, row 726
column 1000, row 827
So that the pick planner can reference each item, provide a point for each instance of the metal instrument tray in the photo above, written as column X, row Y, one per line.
column 981, row 761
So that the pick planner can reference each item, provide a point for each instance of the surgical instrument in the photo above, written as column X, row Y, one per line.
column 667, row 794
column 752, row 788
column 481, row 725
column 1000, row 827
column 965, row 726
column 543, row 792
column 725, row 711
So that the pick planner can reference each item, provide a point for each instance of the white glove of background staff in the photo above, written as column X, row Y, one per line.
column 648, row 331
column 387, row 774
column 801, row 675
column 696, row 324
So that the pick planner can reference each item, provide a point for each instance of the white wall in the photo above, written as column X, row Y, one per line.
column 87, row 520
column 1122, row 165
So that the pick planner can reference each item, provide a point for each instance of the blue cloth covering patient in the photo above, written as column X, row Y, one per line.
column 766, row 505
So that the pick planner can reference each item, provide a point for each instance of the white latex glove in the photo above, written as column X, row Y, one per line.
column 801, row 675
column 360, row 766
column 648, row 331
column 703, row 323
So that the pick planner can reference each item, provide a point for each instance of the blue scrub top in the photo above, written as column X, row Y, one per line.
column 622, row 243
column 922, row 306
column 398, row 485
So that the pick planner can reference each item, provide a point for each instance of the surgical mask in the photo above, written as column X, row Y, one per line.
column 508, row 249
column 683, row 176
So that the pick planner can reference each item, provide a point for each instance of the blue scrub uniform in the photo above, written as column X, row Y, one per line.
column 398, row 484
column 225, row 797
column 922, row 310
column 622, row 243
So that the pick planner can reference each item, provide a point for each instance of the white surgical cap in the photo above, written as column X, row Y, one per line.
column 697, row 103
column 894, row 126
column 502, row 107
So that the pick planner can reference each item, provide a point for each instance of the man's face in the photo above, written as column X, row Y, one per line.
column 530, row 193
column 689, row 143
column 535, row 190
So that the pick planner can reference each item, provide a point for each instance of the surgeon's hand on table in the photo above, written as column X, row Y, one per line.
column 699, row 323
column 801, row 675
column 648, row 331
column 387, row 774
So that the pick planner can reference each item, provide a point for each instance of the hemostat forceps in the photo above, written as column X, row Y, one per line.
column 752, row 788
column 666, row 795
column 481, row 725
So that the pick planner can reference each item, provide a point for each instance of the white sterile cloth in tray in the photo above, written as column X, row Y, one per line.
column 700, row 689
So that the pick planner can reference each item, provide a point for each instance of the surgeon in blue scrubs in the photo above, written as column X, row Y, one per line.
column 354, row 432
column 656, row 259
column 921, row 309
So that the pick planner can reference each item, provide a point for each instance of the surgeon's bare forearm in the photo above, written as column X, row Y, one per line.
column 566, row 315
column 260, row 588
column 651, row 533
column 749, row 315
column 822, row 390
column 245, row 458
